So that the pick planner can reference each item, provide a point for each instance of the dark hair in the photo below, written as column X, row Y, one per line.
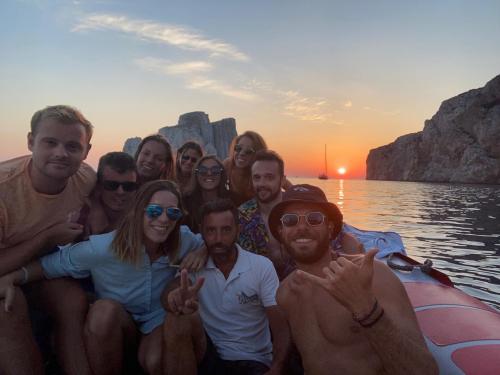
column 63, row 114
column 193, row 197
column 118, row 161
column 129, row 238
column 190, row 145
column 269, row 155
column 169, row 161
column 219, row 205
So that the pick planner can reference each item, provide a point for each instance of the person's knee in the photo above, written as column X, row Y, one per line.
column 104, row 317
column 151, row 360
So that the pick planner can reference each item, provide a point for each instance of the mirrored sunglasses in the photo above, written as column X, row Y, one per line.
column 204, row 171
column 114, row 185
column 154, row 211
column 245, row 151
column 187, row 157
column 312, row 218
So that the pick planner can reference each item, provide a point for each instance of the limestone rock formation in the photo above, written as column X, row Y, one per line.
column 215, row 137
column 460, row 143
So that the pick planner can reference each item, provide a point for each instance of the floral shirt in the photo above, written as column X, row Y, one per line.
column 253, row 234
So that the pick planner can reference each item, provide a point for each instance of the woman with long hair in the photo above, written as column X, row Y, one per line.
column 187, row 156
column 154, row 159
column 208, row 182
column 129, row 267
column 241, row 156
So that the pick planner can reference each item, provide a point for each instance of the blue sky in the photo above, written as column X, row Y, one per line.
column 354, row 75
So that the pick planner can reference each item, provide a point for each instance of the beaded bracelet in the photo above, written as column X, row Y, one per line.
column 367, row 316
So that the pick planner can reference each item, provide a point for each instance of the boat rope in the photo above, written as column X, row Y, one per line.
column 426, row 267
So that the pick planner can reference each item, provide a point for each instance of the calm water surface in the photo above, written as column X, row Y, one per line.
column 456, row 226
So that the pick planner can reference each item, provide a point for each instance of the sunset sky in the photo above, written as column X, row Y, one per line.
column 354, row 75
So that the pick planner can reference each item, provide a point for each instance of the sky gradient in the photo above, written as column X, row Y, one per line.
column 352, row 75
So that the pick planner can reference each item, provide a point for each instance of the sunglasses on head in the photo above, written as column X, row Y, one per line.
column 154, row 211
column 245, row 151
column 114, row 185
column 204, row 171
column 312, row 218
column 187, row 157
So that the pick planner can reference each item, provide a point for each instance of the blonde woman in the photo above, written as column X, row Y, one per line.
column 129, row 268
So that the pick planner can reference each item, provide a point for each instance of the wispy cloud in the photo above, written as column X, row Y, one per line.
column 167, row 67
column 348, row 104
column 307, row 109
column 202, row 83
column 191, row 73
column 178, row 36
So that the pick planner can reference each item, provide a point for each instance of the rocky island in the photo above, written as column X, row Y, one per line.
column 460, row 144
column 214, row 137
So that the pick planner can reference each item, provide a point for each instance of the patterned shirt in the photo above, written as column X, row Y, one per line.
column 253, row 234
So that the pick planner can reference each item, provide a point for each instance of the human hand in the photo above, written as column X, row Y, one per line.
column 349, row 280
column 7, row 291
column 63, row 233
column 183, row 300
column 351, row 245
column 195, row 260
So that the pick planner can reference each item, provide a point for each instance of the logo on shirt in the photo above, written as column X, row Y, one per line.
column 243, row 299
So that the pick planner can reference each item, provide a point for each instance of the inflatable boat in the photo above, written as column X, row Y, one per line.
column 462, row 332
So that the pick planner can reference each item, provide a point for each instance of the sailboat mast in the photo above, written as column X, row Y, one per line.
column 326, row 165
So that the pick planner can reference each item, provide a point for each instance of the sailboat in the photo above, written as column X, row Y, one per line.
column 324, row 175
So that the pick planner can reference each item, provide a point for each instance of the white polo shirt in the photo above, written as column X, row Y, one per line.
column 233, row 309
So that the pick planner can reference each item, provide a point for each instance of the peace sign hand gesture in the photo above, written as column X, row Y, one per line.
column 184, row 299
column 349, row 280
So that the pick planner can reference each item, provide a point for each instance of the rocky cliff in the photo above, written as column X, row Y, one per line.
column 460, row 143
column 215, row 137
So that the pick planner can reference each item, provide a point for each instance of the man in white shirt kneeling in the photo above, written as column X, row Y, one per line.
column 234, row 294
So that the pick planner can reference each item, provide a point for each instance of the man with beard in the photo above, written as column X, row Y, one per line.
column 236, row 303
column 115, row 188
column 268, row 176
column 348, row 314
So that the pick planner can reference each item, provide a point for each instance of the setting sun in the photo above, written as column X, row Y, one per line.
column 341, row 170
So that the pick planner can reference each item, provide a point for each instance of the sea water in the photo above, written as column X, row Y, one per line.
column 457, row 226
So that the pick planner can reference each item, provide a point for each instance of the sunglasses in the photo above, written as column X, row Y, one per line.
column 204, row 171
column 154, row 211
column 187, row 157
column 114, row 185
column 312, row 218
column 245, row 151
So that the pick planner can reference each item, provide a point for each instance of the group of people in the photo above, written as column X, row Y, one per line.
column 187, row 265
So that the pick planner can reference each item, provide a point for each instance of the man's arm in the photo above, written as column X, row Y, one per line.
column 390, row 325
column 14, row 257
column 8, row 282
column 281, row 338
column 396, row 337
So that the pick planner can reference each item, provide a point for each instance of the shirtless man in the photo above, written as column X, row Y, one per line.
column 115, row 188
column 40, row 198
column 348, row 314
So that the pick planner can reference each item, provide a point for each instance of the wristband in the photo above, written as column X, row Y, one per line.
column 26, row 275
column 367, row 316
